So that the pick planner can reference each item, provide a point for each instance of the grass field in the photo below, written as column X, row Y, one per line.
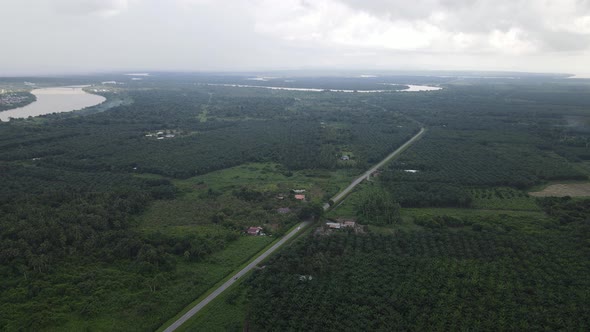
column 270, row 177
column 203, row 197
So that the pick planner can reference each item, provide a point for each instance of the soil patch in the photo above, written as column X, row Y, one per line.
column 564, row 189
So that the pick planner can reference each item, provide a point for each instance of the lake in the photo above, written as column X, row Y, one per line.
column 54, row 100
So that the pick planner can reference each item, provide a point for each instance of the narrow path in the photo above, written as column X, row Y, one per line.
column 233, row 279
column 368, row 173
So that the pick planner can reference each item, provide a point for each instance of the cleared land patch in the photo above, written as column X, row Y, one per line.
column 564, row 189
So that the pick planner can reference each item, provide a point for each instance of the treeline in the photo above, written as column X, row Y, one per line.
column 440, row 158
column 455, row 274
column 442, row 168
column 566, row 209
column 377, row 206
column 68, row 238
column 49, row 214
column 115, row 140
column 426, row 194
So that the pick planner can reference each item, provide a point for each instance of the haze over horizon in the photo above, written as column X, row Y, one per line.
column 81, row 36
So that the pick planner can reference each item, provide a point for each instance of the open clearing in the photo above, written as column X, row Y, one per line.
column 564, row 189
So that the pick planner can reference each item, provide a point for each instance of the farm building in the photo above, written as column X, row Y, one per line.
column 335, row 225
column 341, row 223
column 347, row 222
column 300, row 197
column 345, row 157
column 254, row 230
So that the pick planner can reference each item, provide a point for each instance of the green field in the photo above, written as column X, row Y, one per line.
column 203, row 198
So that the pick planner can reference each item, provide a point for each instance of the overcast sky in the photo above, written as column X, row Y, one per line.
column 71, row 36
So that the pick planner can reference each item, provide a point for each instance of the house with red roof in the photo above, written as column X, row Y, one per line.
column 254, row 230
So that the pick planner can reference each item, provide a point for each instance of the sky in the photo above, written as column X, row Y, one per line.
column 86, row 36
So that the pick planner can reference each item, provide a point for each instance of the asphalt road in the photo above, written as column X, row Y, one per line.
column 368, row 173
column 233, row 279
column 255, row 262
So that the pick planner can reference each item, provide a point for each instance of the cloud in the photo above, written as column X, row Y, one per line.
column 508, row 27
column 101, row 8
column 143, row 35
column 513, row 41
column 331, row 23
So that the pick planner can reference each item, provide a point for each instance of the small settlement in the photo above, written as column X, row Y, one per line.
column 341, row 223
column 161, row 135
column 8, row 99
column 285, row 210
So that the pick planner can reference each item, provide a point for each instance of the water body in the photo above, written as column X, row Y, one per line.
column 415, row 88
column 412, row 88
column 54, row 100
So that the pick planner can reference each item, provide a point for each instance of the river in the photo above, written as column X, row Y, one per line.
column 54, row 100
column 411, row 88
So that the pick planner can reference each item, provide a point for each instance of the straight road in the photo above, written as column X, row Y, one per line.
column 272, row 249
column 368, row 173
column 233, row 279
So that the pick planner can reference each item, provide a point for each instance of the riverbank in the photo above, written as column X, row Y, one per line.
column 54, row 100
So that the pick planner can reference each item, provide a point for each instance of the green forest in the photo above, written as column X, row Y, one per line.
column 119, row 216
column 504, row 273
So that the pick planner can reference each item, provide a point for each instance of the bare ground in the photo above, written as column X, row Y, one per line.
column 564, row 189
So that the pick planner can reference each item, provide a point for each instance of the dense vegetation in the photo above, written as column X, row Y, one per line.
column 485, row 137
column 115, row 140
column 116, row 217
column 485, row 274
column 506, row 266
column 78, row 189
column 379, row 207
